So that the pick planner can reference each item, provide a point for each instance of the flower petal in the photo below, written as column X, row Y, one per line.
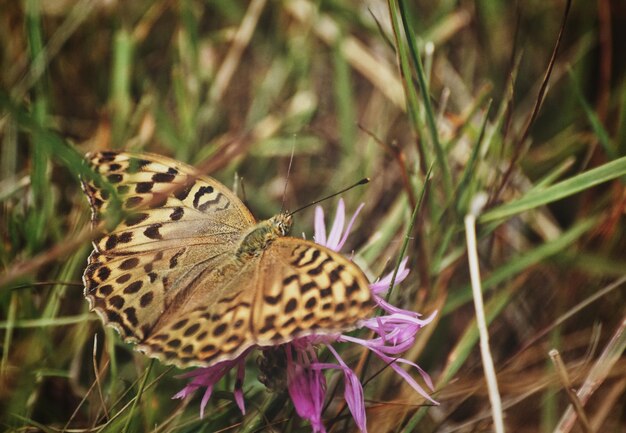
column 383, row 284
column 393, row 363
column 320, row 226
column 307, row 388
column 337, row 229
column 353, row 393
column 238, row 391
column 207, row 378
column 347, row 232
column 205, row 399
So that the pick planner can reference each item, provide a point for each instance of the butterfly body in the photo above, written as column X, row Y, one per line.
column 264, row 234
column 190, row 276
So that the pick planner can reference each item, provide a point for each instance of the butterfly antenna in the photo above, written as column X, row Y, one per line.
column 361, row 182
column 282, row 206
column 46, row 283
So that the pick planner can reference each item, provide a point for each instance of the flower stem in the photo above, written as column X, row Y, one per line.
column 407, row 237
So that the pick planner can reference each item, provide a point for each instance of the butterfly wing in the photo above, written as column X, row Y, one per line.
column 178, row 224
column 209, row 325
column 294, row 288
column 307, row 289
column 167, row 277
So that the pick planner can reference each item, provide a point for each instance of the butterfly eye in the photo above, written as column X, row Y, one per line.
column 285, row 225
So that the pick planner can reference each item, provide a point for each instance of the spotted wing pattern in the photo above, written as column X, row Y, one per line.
column 168, row 278
column 176, row 225
column 307, row 289
column 211, row 325
column 295, row 288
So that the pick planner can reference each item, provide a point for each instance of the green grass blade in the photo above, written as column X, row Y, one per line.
column 46, row 322
column 609, row 171
column 344, row 100
column 40, row 184
column 464, row 185
column 142, row 386
column 442, row 160
column 120, row 103
column 413, row 107
column 598, row 129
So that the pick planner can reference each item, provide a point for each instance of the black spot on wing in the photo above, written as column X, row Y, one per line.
column 272, row 300
column 219, row 330
column 289, row 279
column 133, row 287
column 163, row 177
column 319, row 268
column 115, row 178
column 103, row 273
column 152, row 232
column 144, row 187
column 174, row 259
column 314, row 257
column 125, row 237
column 122, row 278
column 177, row 214
column 183, row 191
column 146, row 299
column 111, row 242
column 135, row 219
column 129, row 263
column 133, row 201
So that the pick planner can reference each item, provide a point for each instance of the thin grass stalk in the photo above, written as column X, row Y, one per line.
column 142, row 386
column 488, row 366
column 561, row 370
column 599, row 131
column 612, row 352
column 40, row 153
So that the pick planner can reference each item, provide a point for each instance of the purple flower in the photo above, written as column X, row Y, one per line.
column 306, row 385
column 208, row 377
column 394, row 331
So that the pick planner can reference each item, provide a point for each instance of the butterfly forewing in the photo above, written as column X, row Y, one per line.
column 164, row 201
column 178, row 224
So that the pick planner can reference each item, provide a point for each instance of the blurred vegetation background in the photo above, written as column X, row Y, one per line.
column 356, row 88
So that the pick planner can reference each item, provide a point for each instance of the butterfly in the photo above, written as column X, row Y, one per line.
column 192, row 279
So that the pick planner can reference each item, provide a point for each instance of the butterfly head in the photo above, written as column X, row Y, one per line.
column 281, row 223
column 263, row 234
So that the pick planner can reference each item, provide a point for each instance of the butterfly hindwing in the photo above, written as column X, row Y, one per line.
column 295, row 288
column 209, row 325
column 307, row 289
